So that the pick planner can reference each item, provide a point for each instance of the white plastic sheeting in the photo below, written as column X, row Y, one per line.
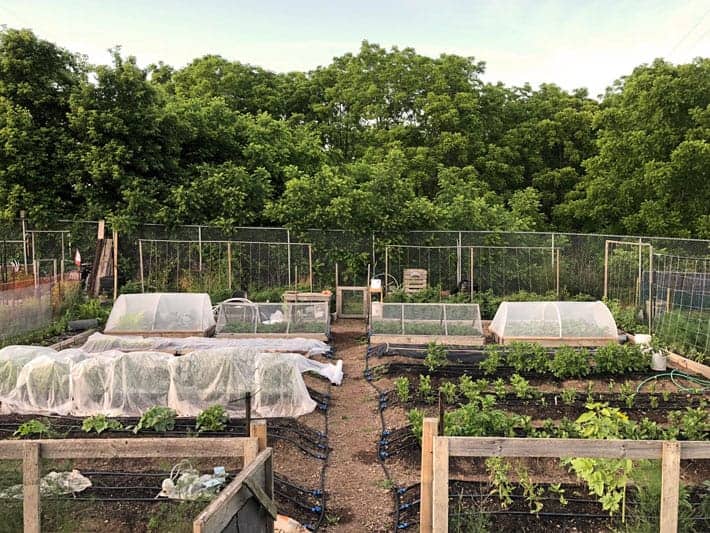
column 101, row 343
column 164, row 312
column 113, row 383
column 558, row 320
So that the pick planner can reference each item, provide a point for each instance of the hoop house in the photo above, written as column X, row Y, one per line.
column 168, row 314
column 555, row 323
column 249, row 319
column 403, row 323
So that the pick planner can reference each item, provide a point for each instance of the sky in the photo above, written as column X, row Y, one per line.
column 572, row 43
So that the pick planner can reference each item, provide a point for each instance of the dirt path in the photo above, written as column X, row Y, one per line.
column 359, row 500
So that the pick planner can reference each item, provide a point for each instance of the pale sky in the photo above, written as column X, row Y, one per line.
column 571, row 43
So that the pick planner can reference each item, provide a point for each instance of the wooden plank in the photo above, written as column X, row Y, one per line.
column 257, row 429
column 423, row 340
column 265, row 501
column 316, row 336
column 440, row 485
column 30, row 480
column 617, row 449
column 670, row 480
column 220, row 512
column 251, row 450
column 688, row 365
column 429, row 431
column 145, row 448
column 71, row 341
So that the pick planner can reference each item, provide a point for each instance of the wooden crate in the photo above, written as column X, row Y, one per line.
column 415, row 280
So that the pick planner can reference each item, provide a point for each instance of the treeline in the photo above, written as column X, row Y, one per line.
column 380, row 140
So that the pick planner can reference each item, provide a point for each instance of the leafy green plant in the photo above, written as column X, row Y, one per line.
column 493, row 360
column 401, row 386
column 606, row 478
column 627, row 393
column 692, row 423
column 557, row 490
column 435, row 356
column 157, row 418
column 569, row 362
column 214, row 418
column 416, row 421
column 521, row 387
column 499, row 388
column 448, row 391
column 498, row 470
column 426, row 392
column 99, row 424
column 531, row 492
column 620, row 359
column 32, row 428
column 569, row 396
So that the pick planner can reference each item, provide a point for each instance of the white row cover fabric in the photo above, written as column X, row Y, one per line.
column 164, row 312
column 101, row 343
column 113, row 383
column 559, row 320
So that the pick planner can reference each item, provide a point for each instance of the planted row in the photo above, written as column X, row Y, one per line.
column 158, row 419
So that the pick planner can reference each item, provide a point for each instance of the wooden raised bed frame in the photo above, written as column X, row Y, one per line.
column 556, row 342
column 255, row 481
column 423, row 340
column 436, row 451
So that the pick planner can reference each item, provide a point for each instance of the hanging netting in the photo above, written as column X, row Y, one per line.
column 98, row 342
column 74, row 382
column 555, row 320
column 161, row 312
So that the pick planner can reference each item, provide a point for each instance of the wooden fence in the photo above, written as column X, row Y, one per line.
column 436, row 450
column 254, row 482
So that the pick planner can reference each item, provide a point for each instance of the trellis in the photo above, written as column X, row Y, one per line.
column 187, row 265
column 501, row 269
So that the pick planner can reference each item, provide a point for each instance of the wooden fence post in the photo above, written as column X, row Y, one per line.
column 251, row 450
column 30, row 480
column 440, row 485
column 257, row 429
column 670, row 480
column 429, row 431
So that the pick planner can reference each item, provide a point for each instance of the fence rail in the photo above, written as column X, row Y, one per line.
column 256, row 476
column 437, row 450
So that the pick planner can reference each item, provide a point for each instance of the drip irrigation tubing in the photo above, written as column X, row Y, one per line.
column 382, row 452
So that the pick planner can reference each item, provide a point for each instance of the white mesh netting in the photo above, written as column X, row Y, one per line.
column 98, row 342
column 426, row 319
column 558, row 320
column 246, row 317
column 161, row 312
column 35, row 380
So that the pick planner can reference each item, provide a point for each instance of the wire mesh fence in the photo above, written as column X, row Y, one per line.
column 500, row 269
column 680, row 290
column 220, row 267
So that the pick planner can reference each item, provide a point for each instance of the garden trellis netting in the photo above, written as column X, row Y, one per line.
column 501, row 269
column 162, row 314
column 555, row 323
column 241, row 317
column 681, row 296
column 36, row 380
column 452, row 324
column 223, row 265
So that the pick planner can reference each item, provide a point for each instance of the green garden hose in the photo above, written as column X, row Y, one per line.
column 703, row 384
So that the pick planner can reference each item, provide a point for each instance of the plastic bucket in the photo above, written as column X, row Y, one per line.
column 659, row 361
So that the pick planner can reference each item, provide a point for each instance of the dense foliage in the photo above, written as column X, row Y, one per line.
column 378, row 140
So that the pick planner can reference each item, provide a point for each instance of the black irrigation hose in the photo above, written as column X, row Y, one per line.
column 381, row 452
